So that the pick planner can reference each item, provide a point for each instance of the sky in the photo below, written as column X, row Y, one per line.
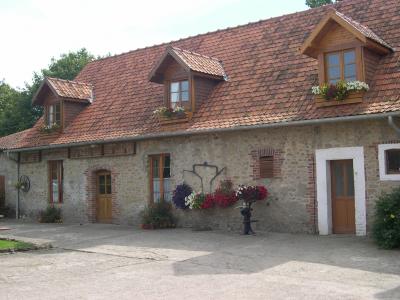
column 34, row 31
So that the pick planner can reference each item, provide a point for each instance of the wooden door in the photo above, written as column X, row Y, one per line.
column 2, row 192
column 104, row 199
column 343, row 206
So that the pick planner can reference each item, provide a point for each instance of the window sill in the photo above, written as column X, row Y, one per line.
column 186, row 117
column 354, row 97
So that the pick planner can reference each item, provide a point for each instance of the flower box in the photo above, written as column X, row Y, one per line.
column 340, row 93
column 353, row 97
column 175, row 119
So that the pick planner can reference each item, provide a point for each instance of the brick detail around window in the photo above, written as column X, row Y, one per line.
column 311, row 206
column 91, row 192
column 255, row 161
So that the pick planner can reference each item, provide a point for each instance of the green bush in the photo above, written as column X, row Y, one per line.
column 386, row 227
column 50, row 215
column 158, row 215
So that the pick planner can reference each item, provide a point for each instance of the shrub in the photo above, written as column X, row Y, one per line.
column 158, row 215
column 50, row 215
column 386, row 227
column 181, row 192
column 7, row 212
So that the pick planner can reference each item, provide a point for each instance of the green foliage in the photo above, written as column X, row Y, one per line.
column 386, row 227
column 10, row 245
column 50, row 215
column 158, row 215
column 16, row 110
column 317, row 3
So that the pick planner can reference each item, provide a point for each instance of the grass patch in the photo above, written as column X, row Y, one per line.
column 10, row 245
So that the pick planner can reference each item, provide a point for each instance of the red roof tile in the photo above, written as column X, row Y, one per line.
column 12, row 140
column 363, row 30
column 269, row 80
column 200, row 63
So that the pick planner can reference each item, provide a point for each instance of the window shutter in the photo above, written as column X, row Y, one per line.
column 266, row 167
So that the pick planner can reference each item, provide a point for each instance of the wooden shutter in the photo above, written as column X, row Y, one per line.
column 266, row 167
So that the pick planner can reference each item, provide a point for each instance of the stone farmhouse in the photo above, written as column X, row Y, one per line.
column 305, row 104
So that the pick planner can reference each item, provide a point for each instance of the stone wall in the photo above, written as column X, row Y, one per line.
column 292, row 194
column 8, row 169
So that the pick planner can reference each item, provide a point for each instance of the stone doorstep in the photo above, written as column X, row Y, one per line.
column 38, row 243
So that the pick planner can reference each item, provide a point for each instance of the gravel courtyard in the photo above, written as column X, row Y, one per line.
column 110, row 261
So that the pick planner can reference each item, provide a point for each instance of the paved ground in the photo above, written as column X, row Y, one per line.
column 109, row 261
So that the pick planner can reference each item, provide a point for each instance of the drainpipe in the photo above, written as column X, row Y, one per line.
column 18, row 190
column 18, row 161
column 393, row 125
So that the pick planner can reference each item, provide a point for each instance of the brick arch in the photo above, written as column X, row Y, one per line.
column 91, row 191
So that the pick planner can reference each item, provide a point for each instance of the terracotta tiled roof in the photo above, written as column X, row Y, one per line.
column 269, row 80
column 12, row 140
column 200, row 63
column 71, row 89
column 363, row 30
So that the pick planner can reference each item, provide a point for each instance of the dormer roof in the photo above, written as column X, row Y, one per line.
column 191, row 61
column 361, row 32
column 67, row 89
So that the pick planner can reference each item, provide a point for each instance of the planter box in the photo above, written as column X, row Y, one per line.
column 176, row 119
column 354, row 97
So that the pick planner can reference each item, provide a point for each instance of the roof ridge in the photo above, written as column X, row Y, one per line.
column 214, row 31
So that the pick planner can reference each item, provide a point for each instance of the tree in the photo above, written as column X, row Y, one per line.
column 317, row 3
column 16, row 110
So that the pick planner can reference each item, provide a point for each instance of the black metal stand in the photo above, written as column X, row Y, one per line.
column 246, row 213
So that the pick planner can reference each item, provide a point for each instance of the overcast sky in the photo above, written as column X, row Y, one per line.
column 33, row 31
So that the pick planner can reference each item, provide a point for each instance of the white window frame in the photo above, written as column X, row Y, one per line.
column 382, row 148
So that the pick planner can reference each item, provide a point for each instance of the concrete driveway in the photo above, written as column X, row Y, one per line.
column 109, row 261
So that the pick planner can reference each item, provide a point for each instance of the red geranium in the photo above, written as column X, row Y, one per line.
column 209, row 202
column 262, row 192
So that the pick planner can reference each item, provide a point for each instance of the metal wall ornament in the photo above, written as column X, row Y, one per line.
column 204, row 165
column 24, row 183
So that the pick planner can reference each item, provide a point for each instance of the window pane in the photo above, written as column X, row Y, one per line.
column 334, row 73
column 333, row 59
column 174, row 97
column 167, row 167
column 156, row 190
column 184, row 85
column 185, row 96
column 393, row 161
column 102, row 189
column 339, row 184
column 167, row 190
column 102, row 180
column 108, row 184
column 349, row 57
column 174, row 87
column 156, row 167
column 350, row 180
column 55, row 190
column 350, row 72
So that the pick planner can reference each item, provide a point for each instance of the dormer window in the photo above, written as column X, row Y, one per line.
column 188, row 80
column 179, row 94
column 341, row 66
column 347, row 54
column 53, row 114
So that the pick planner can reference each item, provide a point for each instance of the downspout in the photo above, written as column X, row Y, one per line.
column 393, row 125
column 18, row 161
column 19, row 190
